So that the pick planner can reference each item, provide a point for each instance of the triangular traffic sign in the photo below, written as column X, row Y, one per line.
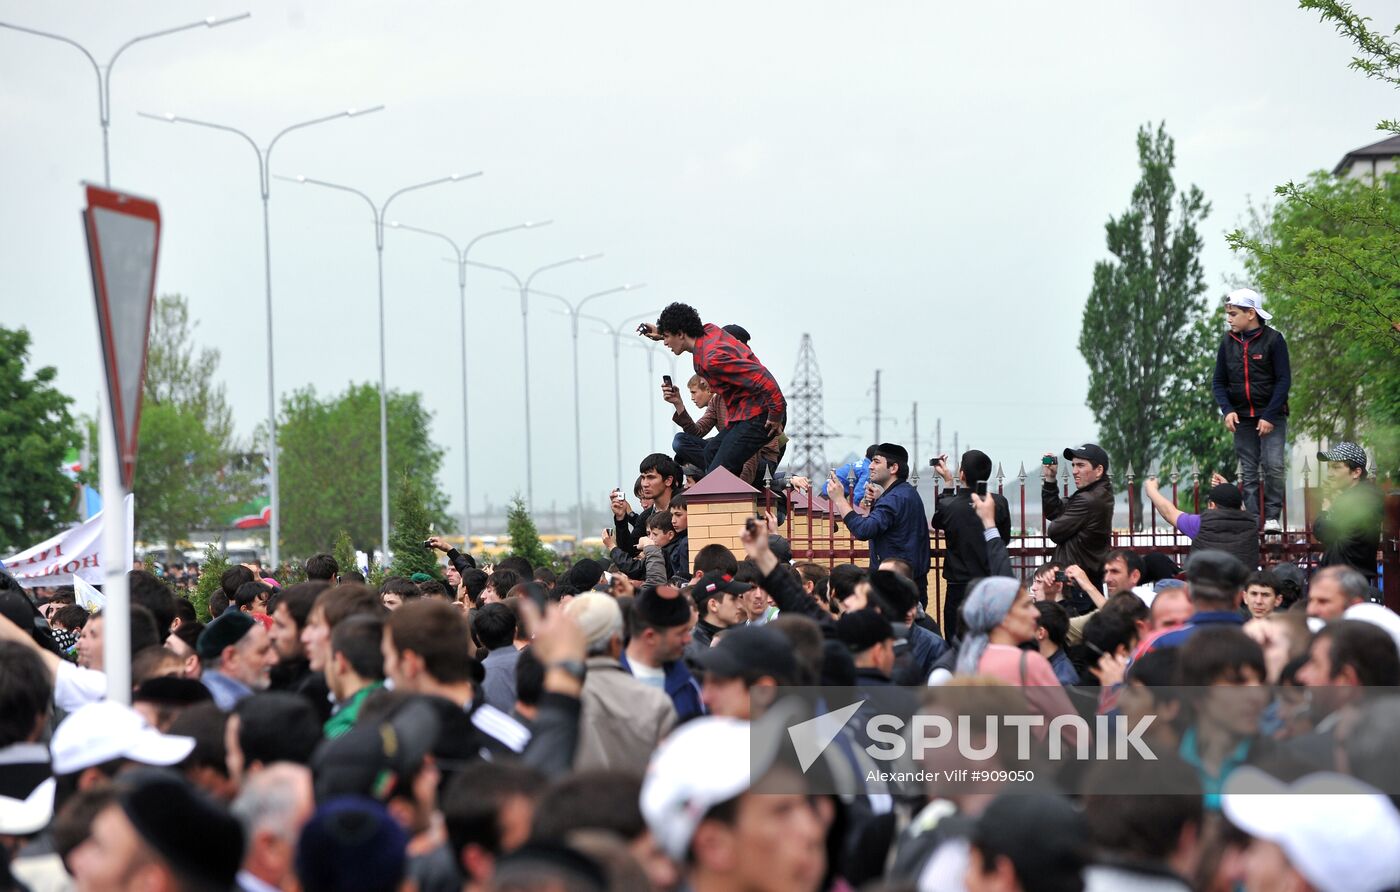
column 123, row 237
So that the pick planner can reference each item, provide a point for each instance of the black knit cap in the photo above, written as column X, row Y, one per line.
column 662, row 607
column 584, row 574
column 192, row 833
column 861, row 630
column 223, row 632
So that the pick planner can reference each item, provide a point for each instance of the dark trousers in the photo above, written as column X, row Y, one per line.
column 953, row 594
column 735, row 446
column 1258, row 453
column 689, row 449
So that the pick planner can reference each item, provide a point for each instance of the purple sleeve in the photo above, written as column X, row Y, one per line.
column 1189, row 525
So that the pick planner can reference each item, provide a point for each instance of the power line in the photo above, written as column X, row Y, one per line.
column 807, row 431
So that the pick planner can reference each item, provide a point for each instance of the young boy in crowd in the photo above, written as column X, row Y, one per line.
column 1261, row 595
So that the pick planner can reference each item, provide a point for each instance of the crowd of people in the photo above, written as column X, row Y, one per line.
column 510, row 727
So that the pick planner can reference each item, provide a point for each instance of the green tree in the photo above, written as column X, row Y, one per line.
column 1143, row 310
column 330, row 464
column 411, row 527
column 524, row 537
column 211, row 569
column 36, row 431
column 190, row 467
column 1325, row 255
column 344, row 552
column 1306, row 255
column 1197, row 436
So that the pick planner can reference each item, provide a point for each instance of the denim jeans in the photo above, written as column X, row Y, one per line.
column 689, row 449
column 735, row 445
column 1253, row 450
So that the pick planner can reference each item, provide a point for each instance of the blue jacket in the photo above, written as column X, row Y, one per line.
column 681, row 687
column 896, row 527
column 843, row 473
column 925, row 648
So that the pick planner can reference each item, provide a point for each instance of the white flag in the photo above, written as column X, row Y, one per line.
column 75, row 553
column 88, row 598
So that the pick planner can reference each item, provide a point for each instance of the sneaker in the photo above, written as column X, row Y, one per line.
column 1273, row 526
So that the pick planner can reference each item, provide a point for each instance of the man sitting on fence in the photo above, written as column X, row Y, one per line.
column 1223, row 526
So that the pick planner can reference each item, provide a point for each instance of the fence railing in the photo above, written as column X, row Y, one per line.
column 818, row 536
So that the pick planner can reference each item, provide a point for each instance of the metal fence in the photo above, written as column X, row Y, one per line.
column 816, row 535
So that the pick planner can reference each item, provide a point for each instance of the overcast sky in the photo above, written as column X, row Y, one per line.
column 921, row 186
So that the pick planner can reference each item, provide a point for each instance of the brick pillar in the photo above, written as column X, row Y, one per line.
column 717, row 508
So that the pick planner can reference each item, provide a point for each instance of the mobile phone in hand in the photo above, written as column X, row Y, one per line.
column 666, row 379
column 982, row 488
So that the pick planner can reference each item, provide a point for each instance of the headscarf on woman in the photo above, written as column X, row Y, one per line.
column 983, row 610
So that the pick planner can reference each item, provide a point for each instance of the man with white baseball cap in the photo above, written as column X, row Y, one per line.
column 92, row 743
column 726, row 829
column 1326, row 832
column 1252, row 377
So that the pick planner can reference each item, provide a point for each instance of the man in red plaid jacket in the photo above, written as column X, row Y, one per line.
column 754, row 406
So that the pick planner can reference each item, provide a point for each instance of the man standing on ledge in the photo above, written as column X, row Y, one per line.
column 1251, row 383
column 1082, row 527
column 753, row 402
column 897, row 527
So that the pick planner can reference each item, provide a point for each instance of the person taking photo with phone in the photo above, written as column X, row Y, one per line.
column 956, row 516
column 1082, row 526
column 753, row 402
column 1252, row 377
column 897, row 526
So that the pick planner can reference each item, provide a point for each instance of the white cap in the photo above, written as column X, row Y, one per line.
column 1250, row 300
column 21, row 817
column 1342, row 835
column 103, row 731
column 1377, row 615
column 675, row 795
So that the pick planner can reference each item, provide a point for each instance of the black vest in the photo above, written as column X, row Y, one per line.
column 1251, row 372
column 1232, row 531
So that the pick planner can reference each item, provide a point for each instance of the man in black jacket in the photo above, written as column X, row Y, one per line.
column 1252, row 377
column 955, row 515
column 1081, row 527
column 1349, row 526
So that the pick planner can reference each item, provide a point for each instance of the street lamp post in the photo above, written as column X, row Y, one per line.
column 574, row 310
column 651, row 376
column 379, row 211
column 461, row 260
column 264, row 155
column 104, row 72
column 617, row 331
column 524, row 286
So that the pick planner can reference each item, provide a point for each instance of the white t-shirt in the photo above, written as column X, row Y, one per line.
column 647, row 675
